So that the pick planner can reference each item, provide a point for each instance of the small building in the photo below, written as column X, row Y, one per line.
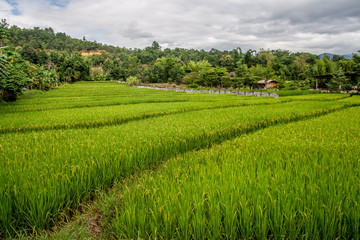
column 321, row 80
column 267, row 83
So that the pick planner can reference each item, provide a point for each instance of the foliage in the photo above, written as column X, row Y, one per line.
column 17, row 74
column 74, row 68
column 167, row 69
column 193, row 85
column 3, row 33
column 15, row 79
column 3, row 36
column 262, row 185
column 133, row 80
column 290, row 85
column 339, row 82
column 117, row 73
column 3, row 64
column 78, row 59
column 85, row 143
column 106, row 131
column 12, row 84
column 44, row 79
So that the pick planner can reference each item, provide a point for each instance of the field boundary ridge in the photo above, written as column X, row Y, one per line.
column 239, row 93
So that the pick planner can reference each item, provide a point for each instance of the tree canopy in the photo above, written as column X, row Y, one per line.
column 56, row 57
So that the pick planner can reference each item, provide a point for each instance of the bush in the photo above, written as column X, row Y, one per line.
column 193, row 85
column 290, row 85
column 15, row 79
column 133, row 80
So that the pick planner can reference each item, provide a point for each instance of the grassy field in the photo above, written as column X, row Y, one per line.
column 294, row 181
column 236, row 167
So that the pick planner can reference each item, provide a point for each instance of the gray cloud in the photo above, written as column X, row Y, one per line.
column 304, row 25
column 132, row 32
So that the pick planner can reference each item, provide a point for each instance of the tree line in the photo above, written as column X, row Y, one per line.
column 40, row 58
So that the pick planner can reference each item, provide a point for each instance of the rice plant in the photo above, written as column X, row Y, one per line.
column 294, row 181
column 59, row 147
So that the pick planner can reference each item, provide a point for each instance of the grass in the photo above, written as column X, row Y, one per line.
column 284, row 182
column 106, row 115
column 282, row 93
column 60, row 147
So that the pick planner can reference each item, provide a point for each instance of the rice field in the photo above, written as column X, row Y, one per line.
column 234, row 167
column 295, row 181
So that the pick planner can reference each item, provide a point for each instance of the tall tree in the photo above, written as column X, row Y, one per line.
column 3, row 33
column 156, row 46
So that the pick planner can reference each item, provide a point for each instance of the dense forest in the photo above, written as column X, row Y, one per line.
column 40, row 58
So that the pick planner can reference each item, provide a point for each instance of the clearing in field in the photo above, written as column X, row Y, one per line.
column 235, row 167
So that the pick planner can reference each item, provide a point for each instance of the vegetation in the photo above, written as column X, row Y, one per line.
column 282, row 182
column 52, row 160
column 3, row 64
column 133, row 80
column 233, row 167
column 17, row 74
column 57, row 58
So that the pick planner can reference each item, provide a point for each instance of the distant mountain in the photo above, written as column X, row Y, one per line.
column 330, row 55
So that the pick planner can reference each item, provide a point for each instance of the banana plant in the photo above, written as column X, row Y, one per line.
column 3, row 63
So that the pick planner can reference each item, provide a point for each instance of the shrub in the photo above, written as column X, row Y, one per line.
column 15, row 79
column 193, row 85
column 133, row 80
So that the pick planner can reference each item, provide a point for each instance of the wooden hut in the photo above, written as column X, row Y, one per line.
column 266, row 83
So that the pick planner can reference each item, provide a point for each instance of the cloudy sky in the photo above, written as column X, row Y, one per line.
column 314, row 26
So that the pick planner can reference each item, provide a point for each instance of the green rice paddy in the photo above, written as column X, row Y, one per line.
column 232, row 167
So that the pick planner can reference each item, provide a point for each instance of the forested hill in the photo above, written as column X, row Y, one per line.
column 47, row 39
column 40, row 58
column 337, row 57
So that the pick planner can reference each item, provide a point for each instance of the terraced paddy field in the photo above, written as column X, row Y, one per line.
column 195, row 166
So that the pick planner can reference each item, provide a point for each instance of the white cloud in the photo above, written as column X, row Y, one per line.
column 5, row 7
column 315, row 26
